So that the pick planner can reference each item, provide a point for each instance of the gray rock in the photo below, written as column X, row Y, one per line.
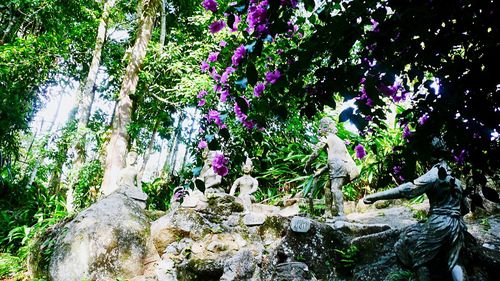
column 300, row 224
column 253, row 219
column 293, row 271
column 108, row 240
column 240, row 267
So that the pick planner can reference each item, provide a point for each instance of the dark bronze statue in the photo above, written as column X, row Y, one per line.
column 444, row 230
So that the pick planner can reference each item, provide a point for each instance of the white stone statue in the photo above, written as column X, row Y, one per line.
column 211, row 179
column 342, row 168
column 247, row 185
column 128, row 182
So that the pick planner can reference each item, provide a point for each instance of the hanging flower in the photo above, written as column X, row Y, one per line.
column 219, row 164
column 237, row 20
column 212, row 57
column 423, row 119
column 204, row 66
column 259, row 89
column 210, row 5
column 273, row 76
column 360, row 151
column 216, row 26
column 201, row 94
column 406, row 132
column 238, row 55
column 223, row 95
column 202, row 144
column 201, row 102
column 222, row 43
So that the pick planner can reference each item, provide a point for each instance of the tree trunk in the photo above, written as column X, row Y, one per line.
column 163, row 31
column 85, row 101
column 173, row 157
column 48, row 139
column 117, row 147
column 188, row 140
column 87, row 94
column 170, row 148
column 147, row 153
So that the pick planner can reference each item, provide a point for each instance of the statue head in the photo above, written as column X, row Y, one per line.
column 327, row 126
column 247, row 166
column 131, row 158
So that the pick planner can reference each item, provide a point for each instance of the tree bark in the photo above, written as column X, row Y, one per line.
column 147, row 153
column 188, row 140
column 163, row 31
column 85, row 101
column 117, row 148
column 178, row 131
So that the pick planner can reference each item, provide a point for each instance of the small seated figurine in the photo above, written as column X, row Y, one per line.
column 128, row 182
column 444, row 230
column 247, row 186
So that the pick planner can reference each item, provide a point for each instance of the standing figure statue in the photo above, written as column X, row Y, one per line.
column 128, row 182
column 247, row 186
column 342, row 168
column 208, row 176
column 444, row 230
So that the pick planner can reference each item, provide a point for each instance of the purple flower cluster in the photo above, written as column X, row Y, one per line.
column 360, row 151
column 214, row 115
column 396, row 170
column 364, row 97
column 238, row 55
column 212, row 57
column 374, row 25
column 204, row 66
column 396, row 91
column 219, row 164
column 216, row 26
column 223, row 95
column 273, row 76
column 406, row 132
column 200, row 95
column 423, row 119
column 202, row 144
column 259, row 89
column 210, row 5
column 257, row 18
column 460, row 157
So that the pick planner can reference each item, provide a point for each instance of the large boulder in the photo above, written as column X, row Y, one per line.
column 109, row 240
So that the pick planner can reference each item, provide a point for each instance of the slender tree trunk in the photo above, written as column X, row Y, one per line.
column 85, row 101
column 158, row 163
column 163, row 31
column 117, row 147
column 178, row 132
column 170, row 148
column 188, row 140
column 147, row 153
column 47, row 140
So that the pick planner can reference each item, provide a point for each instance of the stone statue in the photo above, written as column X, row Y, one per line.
column 211, row 179
column 342, row 168
column 247, row 186
column 444, row 230
column 128, row 182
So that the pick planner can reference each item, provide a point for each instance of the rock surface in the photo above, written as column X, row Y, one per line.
column 217, row 243
column 108, row 240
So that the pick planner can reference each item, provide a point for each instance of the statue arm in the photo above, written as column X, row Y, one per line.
column 255, row 186
column 234, row 187
column 321, row 145
column 406, row 190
